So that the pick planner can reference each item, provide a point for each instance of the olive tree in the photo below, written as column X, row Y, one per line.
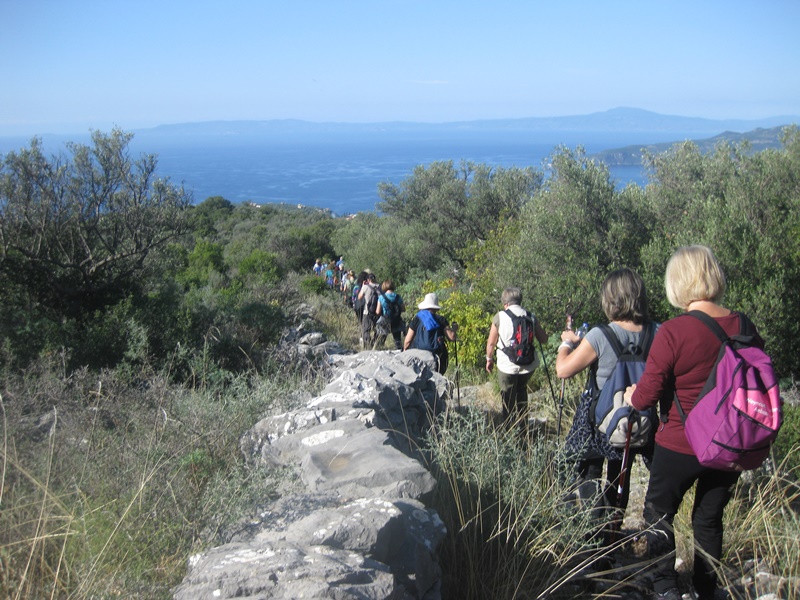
column 746, row 207
column 576, row 229
column 449, row 208
column 77, row 233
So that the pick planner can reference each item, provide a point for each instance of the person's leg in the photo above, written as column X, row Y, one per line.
column 520, row 401
column 671, row 476
column 398, row 339
column 714, row 491
column 507, row 395
column 444, row 359
column 367, row 328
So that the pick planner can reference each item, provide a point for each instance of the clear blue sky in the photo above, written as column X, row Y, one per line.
column 67, row 66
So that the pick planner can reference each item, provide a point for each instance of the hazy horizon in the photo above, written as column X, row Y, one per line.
column 92, row 64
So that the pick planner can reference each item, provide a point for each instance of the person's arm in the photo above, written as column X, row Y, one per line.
column 491, row 344
column 450, row 331
column 379, row 309
column 409, row 339
column 657, row 378
column 574, row 355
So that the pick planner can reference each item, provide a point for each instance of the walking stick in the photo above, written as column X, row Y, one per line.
column 454, row 326
column 563, row 385
column 616, row 524
column 547, row 372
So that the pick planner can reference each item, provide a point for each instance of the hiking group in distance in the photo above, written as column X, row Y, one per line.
column 696, row 397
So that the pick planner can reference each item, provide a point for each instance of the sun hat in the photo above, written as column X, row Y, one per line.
column 430, row 301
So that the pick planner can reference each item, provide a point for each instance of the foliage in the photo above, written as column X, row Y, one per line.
column 76, row 235
column 210, row 214
column 112, row 485
column 508, row 527
column 313, row 284
column 448, row 207
column 746, row 207
column 386, row 245
column 785, row 449
column 576, row 229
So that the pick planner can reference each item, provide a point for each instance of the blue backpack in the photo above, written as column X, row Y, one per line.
column 430, row 335
column 612, row 416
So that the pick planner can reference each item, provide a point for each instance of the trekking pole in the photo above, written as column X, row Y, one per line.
column 616, row 525
column 547, row 372
column 454, row 327
column 563, row 385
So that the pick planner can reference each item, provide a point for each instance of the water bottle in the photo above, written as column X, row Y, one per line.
column 582, row 330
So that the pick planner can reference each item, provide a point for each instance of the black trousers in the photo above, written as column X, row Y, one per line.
column 671, row 476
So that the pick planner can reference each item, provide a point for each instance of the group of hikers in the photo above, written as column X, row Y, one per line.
column 379, row 312
column 677, row 358
column 679, row 366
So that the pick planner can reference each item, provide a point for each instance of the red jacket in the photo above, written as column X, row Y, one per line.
column 681, row 358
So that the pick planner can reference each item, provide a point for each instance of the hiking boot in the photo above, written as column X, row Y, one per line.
column 672, row 593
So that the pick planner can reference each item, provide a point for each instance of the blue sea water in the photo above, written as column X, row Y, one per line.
column 342, row 173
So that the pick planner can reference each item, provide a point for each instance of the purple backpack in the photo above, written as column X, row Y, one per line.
column 738, row 413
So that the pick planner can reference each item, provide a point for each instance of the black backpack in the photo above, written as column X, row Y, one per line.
column 393, row 313
column 372, row 303
column 521, row 351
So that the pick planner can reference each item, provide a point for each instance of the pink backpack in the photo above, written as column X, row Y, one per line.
column 738, row 413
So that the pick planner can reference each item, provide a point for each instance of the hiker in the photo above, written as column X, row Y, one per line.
column 623, row 299
column 330, row 275
column 512, row 375
column 683, row 354
column 348, row 281
column 428, row 330
column 369, row 295
column 391, row 306
column 358, row 302
column 317, row 268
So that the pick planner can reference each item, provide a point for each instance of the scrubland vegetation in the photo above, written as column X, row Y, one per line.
column 140, row 337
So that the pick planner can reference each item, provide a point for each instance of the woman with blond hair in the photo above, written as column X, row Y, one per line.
column 683, row 354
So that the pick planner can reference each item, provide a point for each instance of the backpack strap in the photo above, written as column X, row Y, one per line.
column 512, row 315
column 612, row 338
column 709, row 322
column 745, row 336
column 649, row 333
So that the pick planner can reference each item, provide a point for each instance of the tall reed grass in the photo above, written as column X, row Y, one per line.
column 108, row 485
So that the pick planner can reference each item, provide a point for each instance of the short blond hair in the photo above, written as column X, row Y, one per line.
column 693, row 273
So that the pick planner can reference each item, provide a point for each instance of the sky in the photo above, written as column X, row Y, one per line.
column 70, row 66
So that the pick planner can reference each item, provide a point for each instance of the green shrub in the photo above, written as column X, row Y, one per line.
column 786, row 450
column 313, row 285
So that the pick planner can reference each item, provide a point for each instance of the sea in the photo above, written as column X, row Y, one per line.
column 342, row 172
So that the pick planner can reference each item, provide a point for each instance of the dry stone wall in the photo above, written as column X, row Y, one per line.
column 360, row 527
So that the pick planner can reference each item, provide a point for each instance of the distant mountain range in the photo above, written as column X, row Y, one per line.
column 614, row 120
column 758, row 139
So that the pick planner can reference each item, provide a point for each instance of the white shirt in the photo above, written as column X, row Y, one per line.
column 506, row 330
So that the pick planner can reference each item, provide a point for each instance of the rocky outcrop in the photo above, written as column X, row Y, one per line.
column 359, row 528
